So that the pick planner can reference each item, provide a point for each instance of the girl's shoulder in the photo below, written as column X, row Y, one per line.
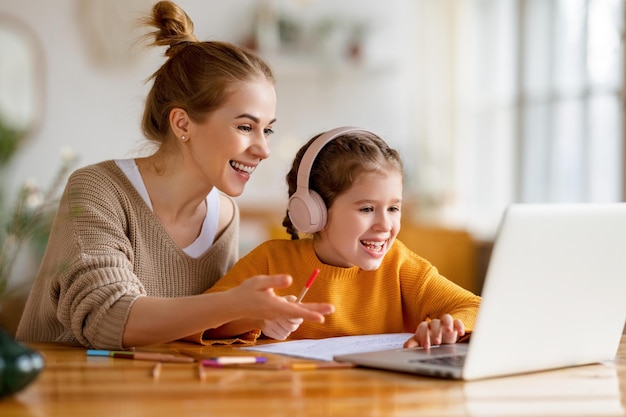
column 400, row 253
column 284, row 249
column 285, row 245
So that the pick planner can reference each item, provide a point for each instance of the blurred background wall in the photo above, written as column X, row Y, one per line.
column 489, row 101
column 90, row 76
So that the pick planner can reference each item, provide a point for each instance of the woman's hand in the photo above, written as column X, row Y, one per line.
column 281, row 327
column 436, row 332
column 258, row 300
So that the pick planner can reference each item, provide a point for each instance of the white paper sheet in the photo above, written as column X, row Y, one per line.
column 325, row 349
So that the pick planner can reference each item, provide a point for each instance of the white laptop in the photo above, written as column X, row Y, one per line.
column 554, row 296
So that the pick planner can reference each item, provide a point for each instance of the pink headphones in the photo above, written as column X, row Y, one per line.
column 307, row 210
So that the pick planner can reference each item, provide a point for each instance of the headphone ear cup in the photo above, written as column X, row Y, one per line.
column 307, row 211
column 306, row 208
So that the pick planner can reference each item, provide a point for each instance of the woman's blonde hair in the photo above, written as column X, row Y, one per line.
column 197, row 76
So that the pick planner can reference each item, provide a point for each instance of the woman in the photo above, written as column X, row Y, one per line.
column 136, row 242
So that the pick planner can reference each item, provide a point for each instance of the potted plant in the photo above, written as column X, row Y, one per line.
column 24, row 227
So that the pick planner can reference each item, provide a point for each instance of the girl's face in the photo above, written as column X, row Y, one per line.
column 226, row 148
column 362, row 223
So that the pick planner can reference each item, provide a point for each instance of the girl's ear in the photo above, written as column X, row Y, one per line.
column 179, row 123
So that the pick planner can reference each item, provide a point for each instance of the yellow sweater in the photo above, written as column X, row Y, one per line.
column 405, row 290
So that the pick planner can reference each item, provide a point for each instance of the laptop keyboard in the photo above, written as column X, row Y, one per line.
column 455, row 360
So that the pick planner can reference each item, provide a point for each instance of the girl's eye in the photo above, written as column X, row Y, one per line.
column 245, row 128
column 394, row 209
column 367, row 209
column 269, row 131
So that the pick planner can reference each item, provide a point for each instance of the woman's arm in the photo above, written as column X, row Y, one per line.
column 157, row 320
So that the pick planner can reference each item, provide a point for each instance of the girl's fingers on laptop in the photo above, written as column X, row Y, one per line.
column 421, row 337
column 435, row 328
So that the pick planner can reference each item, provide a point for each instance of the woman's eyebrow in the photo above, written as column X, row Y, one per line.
column 253, row 118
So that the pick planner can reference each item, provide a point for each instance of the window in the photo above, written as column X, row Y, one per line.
column 515, row 101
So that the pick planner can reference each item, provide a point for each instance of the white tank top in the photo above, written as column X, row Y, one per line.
column 209, row 227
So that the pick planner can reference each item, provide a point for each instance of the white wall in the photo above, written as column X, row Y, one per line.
column 95, row 107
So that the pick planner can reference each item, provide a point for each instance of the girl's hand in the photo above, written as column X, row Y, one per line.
column 436, row 332
column 281, row 327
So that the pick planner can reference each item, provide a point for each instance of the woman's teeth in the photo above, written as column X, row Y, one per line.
column 241, row 167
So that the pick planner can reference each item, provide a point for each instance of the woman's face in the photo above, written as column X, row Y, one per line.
column 225, row 149
column 363, row 222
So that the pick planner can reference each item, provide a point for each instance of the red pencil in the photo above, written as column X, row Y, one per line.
column 308, row 284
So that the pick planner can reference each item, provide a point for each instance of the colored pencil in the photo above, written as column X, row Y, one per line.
column 308, row 284
column 142, row 356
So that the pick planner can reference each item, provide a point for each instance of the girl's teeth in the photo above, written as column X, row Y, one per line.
column 373, row 245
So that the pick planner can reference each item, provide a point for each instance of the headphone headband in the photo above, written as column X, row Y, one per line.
column 306, row 163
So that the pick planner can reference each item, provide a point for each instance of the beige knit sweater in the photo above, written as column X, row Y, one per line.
column 106, row 249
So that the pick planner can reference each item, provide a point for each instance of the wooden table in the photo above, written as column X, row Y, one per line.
column 73, row 384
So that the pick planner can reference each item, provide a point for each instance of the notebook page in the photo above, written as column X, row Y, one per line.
column 325, row 349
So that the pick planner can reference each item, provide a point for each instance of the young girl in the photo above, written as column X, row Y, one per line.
column 349, row 198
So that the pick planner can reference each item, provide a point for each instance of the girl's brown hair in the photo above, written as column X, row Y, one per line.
column 339, row 164
column 197, row 76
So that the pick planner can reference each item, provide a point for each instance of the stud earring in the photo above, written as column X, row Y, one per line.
column 183, row 138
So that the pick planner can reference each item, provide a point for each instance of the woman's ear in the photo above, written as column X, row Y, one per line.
column 179, row 123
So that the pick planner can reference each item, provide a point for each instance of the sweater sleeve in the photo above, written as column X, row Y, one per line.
column 90, row 263
column 428, row 295
column 438, row 296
